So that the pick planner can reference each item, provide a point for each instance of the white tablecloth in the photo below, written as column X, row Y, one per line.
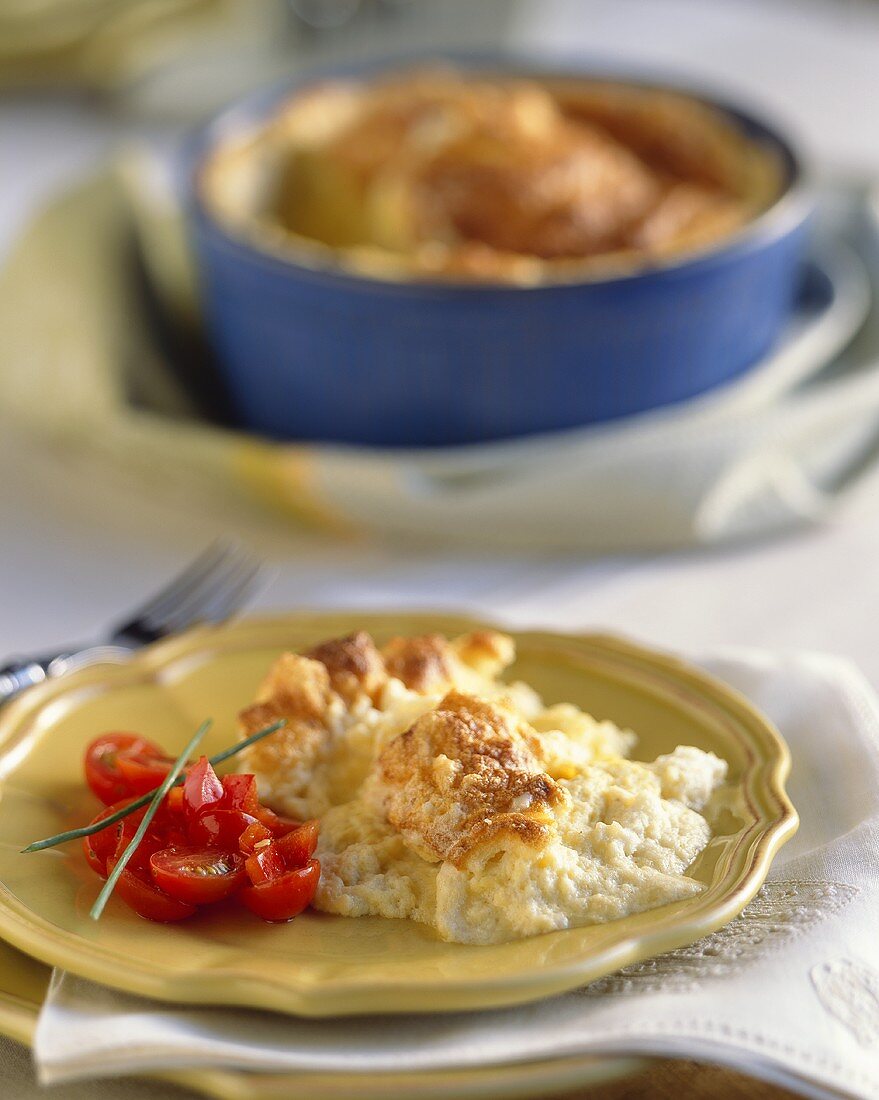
column 73, row 554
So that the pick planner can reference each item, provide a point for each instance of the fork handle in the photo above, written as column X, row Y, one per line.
column 21, row 674
column 24, row 672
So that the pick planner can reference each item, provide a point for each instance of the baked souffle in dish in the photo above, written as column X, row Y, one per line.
column 441, row 174
column 448, row 796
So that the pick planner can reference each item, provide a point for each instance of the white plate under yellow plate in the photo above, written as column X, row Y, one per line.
column 321, row 965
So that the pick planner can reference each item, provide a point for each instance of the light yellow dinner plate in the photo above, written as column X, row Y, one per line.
column 322, row 965
column 23, row 985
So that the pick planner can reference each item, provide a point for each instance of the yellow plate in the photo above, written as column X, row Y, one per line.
column 321, row 965
column 23, row 985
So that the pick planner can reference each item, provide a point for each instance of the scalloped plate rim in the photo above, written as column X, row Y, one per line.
column 232, row 985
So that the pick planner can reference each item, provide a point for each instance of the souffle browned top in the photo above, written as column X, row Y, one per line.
column 434, row 173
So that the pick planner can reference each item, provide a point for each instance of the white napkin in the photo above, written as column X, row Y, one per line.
column 788, row 992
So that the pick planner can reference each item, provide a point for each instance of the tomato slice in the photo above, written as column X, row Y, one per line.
column 251, row 836
column 240, row 793
column 278, row 825
column 298, row 847
column 198, row 876
column 98, row 847
column 151, row 842
column 173, row 803
column 176, row 838
column 219, row 828
column 265, row 864
column 96, row 853
column 142, row 771
column 148, row 900
column 283, row 898
column 102, row 770
column 170, row 821
column 202, row 788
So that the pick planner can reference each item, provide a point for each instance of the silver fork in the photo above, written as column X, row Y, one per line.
column 208, row 590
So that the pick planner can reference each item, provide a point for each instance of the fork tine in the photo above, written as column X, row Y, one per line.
column 215, row 588
column 169, row 597
column 231, row 598
column 210, row 588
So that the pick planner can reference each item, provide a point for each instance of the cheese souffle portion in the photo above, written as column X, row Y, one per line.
column 450, row 797
column 439, row 173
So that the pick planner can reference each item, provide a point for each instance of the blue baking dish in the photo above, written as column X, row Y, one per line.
column 313, row 354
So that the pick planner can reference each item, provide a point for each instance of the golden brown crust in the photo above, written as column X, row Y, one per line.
column 678, row 137
column 300, row 685
column 301, row 688
column 565, row 192
column 424, row 664
column 440, row 173
column 298, row 690
column 354, row 664
column 502, row 827
column 463, row 773
column 487, row 652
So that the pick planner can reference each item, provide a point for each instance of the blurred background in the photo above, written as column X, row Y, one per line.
column 749, row 515
column 180, row 58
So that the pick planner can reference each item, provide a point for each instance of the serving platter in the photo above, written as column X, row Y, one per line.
column 321, row 965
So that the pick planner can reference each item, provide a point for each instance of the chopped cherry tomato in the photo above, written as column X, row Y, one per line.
column 96, row 853
column 201, row 788
column 142, row 771
column 240, row 793
column 152, row 842
column 98, row 847
column 219, row 828
column 176, row 838
column 209, row 839
column 102, row 771
column 283, row 898
column 148, row 900
column 170, row 820
column 251, row 836
column 298, row 847
column 279, row 826
column 198, row 876
column 265, row 864
column 174, row 801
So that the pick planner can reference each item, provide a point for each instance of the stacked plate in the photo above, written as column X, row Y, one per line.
column 328, row 967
